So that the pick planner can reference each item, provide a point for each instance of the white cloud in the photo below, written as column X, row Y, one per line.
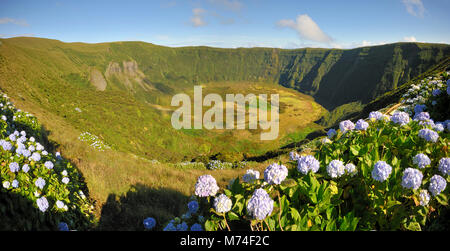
column 414, row 7
column 20, row 22
column 306, row 28
column 410, row 39
column 197, row 20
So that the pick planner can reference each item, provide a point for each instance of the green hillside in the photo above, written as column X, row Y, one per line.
column 121, row 91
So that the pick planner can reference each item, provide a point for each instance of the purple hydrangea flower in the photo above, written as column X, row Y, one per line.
column 336, row 169
column 206, row 186
column 429, row 135
column 14, row 167
column 444, row 166
column 437, row 184
column 250, row 176
column 7, row 146
column 35, row 156
column 182, row 227
column 361, row 125
column 275, row 173
column 331, row 133
column 412, row 178
column 401, row 118
column 40, row 182
column 424, row 197
column 293, row 156
column 419, row 108
column 381, row 171
column 423, row 116
column 42, row 203
column 436, row 92
column 421, row 160
column 15, row 184
column 62, row 226
column 346, row 125
column 222, row 203
column 350, row 168
column 307, row 163
column 25, row 168
column 375, row 115
column 260, row 204
column 438, row 127
column 65, row 180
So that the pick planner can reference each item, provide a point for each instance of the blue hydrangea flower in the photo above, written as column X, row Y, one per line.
column 424, row 197
column 381, row 171
column 346, row 125
column 40, row 182
column 331, row 133
column 182, row 227
column 149, row 223
column 65, row 180
column 206, row 186
column 62, row 226
column 14, row 167
column 419, row 108
column 444, row 166
column 15, row 184
column 25, row 168
column 275, row 173
column 307, row 163
column 6, row 184
column 42, row 203
column 429, row 135
column 260, row 204
column 196, row 227
column 401, row 118
column 437, row 184
column 293, row 156
column 250, row 176
column 193, row 206
column 60, row 204
column 36, row 156
column 7, row 146
column 222, row 204
column 48, row 164
column 421, row 160
column 423, row 116
column 170, row 227
column 412, row 178
column 436, row 92
column 350, row 168
column 12, row 137
column 336, row 169
column 361, row 125
column 438, row 127
column 31, row 148
column 375, row 115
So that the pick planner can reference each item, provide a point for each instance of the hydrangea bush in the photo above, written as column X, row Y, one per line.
column 39, row 190
column 389, row 172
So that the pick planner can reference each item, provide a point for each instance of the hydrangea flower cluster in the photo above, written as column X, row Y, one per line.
column 381, row 171
column 401, row 118
column 193, row 206
column 331, row 133
column 307, row 163
column 412, row 178
column 423, row 116
column 361, row 125
column 275, row 173
column 206, row 186
column 260, row 204
column 375, row 115
column 293, row 156
column 149, row 223
column 429, row 135
column 444, row 166
column 350, row 168
column 222, row 203
column 336, row 169
column 421, row 160
column 250, row 176
column 424, row 197
column 437, row 184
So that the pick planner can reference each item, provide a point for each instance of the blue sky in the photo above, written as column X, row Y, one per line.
column 230, row 23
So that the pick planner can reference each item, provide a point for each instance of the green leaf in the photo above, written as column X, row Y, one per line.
column 295, row 214
column 232, row 216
